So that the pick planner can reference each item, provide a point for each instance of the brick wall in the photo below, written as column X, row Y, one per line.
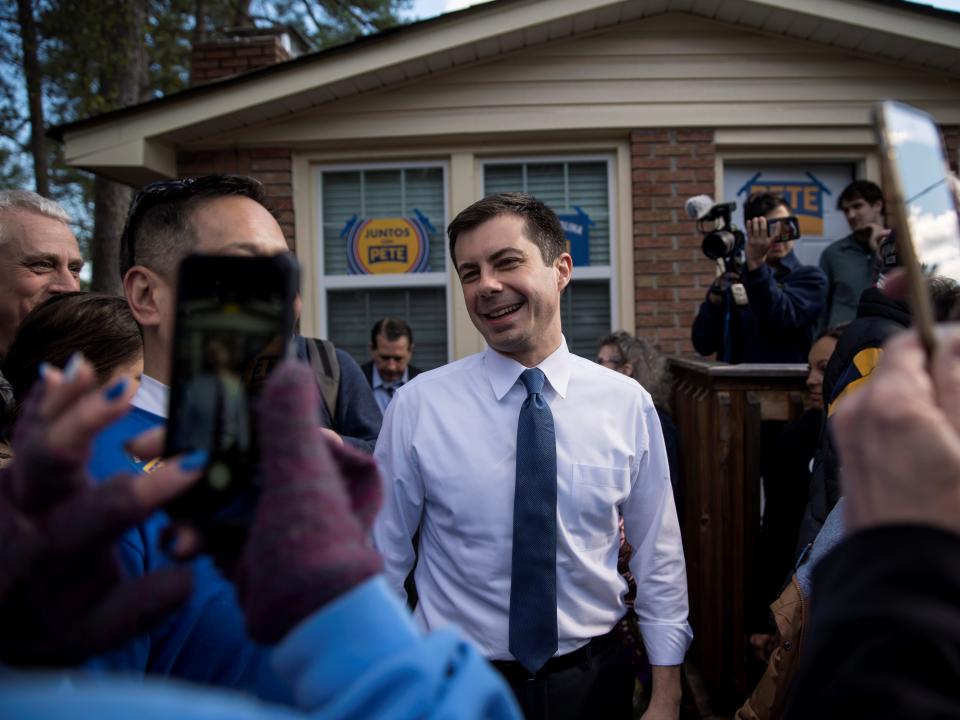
column 220, row 58
column 671, row 275
column 271, row 166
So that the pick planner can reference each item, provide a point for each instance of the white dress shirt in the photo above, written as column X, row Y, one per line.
column 380, row 392
column 152, row 396
column 447, row 451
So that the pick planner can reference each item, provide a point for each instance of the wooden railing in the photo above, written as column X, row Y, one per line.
column 718, row 409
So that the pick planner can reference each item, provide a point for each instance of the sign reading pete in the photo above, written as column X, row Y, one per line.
column 383, row 246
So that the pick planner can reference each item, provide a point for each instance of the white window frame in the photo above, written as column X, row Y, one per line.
column 590, row 272
column 375, row 282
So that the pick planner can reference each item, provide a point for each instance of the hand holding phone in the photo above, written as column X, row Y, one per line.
column 921, row 204
column 234, row 319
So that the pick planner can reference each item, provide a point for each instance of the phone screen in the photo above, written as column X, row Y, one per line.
column 928, row 203
column 233, row 320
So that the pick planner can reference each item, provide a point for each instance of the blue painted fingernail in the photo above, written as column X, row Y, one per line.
column 196, row 460
column 72, row 366
column 116, row 390
column 43, row 369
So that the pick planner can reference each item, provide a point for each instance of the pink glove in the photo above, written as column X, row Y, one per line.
column 63, row 597
column 308, row 543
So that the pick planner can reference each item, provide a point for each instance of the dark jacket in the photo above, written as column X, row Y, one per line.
column 856, row 354
column 884, row 633
column 367, row 368
column 358, row 416
column 778, row 323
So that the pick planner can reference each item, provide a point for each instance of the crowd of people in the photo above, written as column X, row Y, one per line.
column 522, row 501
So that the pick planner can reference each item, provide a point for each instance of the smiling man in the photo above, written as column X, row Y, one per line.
column 39, row 257
column 516, row 464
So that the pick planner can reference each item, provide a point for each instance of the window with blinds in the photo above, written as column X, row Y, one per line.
column 424, row 309
column 354, row 302
column 380, row 193
column 564, row 185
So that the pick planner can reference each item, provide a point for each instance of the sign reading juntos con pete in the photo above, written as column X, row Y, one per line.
column 380, row 246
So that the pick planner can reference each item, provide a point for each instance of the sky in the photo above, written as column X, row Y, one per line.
column 423, row 9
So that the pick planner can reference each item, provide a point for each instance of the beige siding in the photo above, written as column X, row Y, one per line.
column 672, row 70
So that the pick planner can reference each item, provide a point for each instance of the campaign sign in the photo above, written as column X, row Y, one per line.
column 805, row 198
column 383, row 246
column 576, row 229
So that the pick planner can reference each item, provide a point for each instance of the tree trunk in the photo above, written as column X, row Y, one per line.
column 34, row 83
column 111, row 200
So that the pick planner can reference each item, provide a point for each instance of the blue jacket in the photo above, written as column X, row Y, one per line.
column 778, row 323
column 204, row 640
column 359, row 658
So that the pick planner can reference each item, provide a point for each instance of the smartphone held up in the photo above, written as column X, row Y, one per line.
column 921, row 204
column 234, row 321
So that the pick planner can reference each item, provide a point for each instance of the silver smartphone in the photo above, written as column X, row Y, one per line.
column 921, row 207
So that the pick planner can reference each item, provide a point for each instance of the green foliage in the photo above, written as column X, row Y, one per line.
column 88, row 49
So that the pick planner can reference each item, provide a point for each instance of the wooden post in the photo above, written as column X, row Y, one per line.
column 718, row 409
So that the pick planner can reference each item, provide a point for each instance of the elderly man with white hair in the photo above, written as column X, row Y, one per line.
column 39, row 257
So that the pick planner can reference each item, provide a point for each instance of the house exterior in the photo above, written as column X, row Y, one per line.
column 613, row 112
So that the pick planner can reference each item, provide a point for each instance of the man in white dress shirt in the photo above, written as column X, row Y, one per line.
column 449, row 456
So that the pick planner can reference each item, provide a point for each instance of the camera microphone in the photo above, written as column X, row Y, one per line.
column 698, row 206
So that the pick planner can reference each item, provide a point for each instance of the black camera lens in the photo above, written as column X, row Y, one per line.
column 718, row 244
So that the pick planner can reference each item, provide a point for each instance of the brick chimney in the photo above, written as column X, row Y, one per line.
column 242, row 49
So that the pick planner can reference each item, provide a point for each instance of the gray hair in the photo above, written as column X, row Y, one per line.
column 650, row 367
column 31, row 202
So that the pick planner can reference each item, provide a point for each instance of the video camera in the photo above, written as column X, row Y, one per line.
column 722, row 240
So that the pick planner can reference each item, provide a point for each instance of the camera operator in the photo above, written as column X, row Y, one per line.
column 765, row 306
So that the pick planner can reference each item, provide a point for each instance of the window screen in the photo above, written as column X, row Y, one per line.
column 564, row 186
column 380, row 193
column 353, row 313
column 355, row 302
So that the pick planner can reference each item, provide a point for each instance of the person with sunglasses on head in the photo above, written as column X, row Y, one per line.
column 204, row 640
column 783, row 298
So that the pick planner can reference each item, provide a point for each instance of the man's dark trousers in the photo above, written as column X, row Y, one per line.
column 595, row 681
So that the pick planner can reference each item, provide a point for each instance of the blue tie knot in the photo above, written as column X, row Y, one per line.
column 533, row 379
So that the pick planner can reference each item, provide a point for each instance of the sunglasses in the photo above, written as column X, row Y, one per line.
column 164, row 192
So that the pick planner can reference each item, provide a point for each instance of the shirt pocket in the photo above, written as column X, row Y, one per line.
column 597, row 491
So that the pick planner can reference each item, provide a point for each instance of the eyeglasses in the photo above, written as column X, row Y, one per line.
column 163, row 192
column 609, row 362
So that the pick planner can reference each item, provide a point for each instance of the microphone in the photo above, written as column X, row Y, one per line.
column 698, row 205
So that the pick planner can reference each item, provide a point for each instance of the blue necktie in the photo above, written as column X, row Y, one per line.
column 533, row 588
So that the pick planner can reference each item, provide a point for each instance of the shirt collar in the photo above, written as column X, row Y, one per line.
column 152, row 396
column 377, row 381
column 503, row 372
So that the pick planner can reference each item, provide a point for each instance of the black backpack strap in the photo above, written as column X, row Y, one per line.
column 323, row 359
